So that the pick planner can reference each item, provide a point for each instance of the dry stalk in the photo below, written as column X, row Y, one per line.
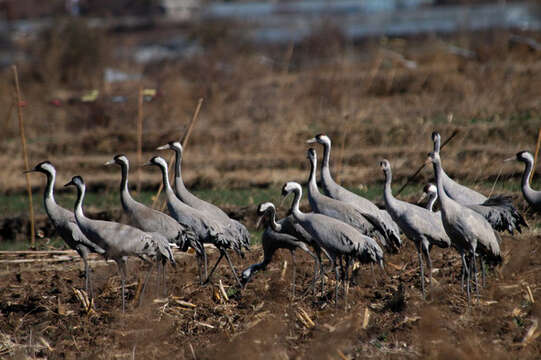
column 283, row 273
column 139, row 135
column 366, row 318
column 536, row 152
column 222, row 290
column 25, row 156
column 531, row 335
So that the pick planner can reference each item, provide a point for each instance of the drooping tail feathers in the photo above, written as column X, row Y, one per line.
column 162, row 248
column 501, row 214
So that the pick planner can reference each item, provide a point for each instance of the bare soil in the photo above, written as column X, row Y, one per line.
column 385, row 317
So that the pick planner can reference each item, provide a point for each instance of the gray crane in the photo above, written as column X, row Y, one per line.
column 431, row 191
column 234, row 227
column 208, row 229
column 281, row 234
column 468, row 230
column 65, row 223
column 422, row 226
column 379, row 219
column 336, row 237
column 119, row 240
column 150, row 220
column 532, row 196
column 339, row 210
column 497, row 210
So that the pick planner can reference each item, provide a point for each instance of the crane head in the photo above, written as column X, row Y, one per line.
column 289, row 187
column 524, row 156
column 157, row 161
column 171, row 145
column 76, row 181
column 430, row 189
column 321, row 139
column 119, row 159
column 385, row 165
column 44, row 167
column 311, row 154
column 436, row 138
column 433, row 157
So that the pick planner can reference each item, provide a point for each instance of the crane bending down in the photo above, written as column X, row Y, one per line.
column 118, row 240
column 381, row 221
column 207, row 228
column 336, row 237
column 65, row 223
column 532, row 196
column 422, row 226
column 468, row 230
column 281, row 234
column 497, row 210
column 151, row 220
column 232, row 226
column 339, row 210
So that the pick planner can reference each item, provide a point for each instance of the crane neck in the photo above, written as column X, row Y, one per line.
column 438, row 172
column 48, row 195
column 387, row 190
column 124, row 189
column 179, row 182
column 272, row 222
column 78, row 209
column 165, row 178
column 431, row 201
column 295, row 206
column 312, row 183
column 325, row 167
column 526, row 178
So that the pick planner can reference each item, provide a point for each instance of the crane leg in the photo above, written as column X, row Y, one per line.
column 205, row 259
column 466, row 272
column 214, row 267
column 233, row 269
column 163, row 280
column 122, row 270
column 483, row 272
column 294, row 274
column 88, row 282
column 429, row 264
column 145, row 284
column 336, row 266
column 346, row 282
column 474, row 265
column 422, row 271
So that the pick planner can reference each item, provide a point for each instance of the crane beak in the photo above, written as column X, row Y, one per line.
column 258, row 224
column 69, row 183
column 29, row 171
column 428, row 161
column 421, row 198
column 163, row 147
column 510, row 159
column 147, row 164
column 311, row 141
column 110, row 162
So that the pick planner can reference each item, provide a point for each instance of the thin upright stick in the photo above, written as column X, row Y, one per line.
column 422, row 166
column 536, row 152
column 139, row 136
column 184, row 142
column 25, row 155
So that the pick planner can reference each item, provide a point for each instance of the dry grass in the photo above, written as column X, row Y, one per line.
column 256, row 116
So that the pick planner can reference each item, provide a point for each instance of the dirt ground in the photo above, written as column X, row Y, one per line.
column 385, row 316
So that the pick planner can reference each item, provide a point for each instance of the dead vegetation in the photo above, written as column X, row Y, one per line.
column 43, row 315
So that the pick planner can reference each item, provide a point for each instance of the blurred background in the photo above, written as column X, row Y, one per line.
column 377, row 76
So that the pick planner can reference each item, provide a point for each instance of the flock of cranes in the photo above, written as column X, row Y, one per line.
column 344, row 226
